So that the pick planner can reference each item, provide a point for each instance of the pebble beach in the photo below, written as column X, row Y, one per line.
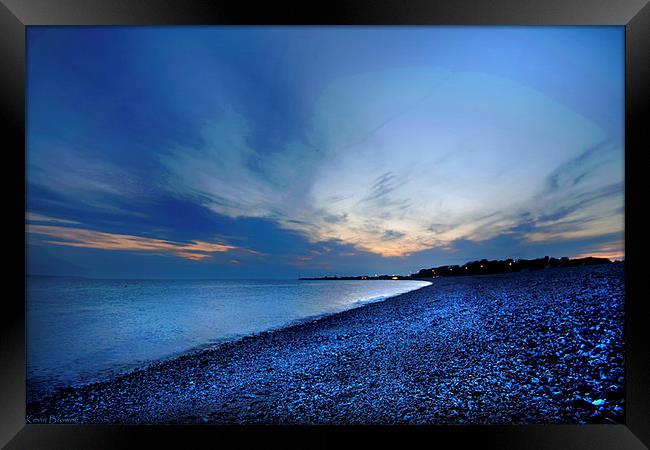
column 543, row 346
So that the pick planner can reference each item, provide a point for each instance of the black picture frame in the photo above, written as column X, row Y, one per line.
column 16, row 15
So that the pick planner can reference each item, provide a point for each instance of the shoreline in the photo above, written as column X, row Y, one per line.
column 442, row 353
column 112, row 374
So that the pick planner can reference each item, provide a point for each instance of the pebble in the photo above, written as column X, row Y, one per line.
column 533, row 347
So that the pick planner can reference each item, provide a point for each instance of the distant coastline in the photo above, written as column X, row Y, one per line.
column 482, row 267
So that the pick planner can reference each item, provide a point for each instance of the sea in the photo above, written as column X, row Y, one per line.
column 85, row 330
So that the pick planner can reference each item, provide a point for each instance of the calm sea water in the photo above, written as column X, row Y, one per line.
column 82, row 330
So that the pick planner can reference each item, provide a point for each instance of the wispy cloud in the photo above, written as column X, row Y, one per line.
column 35, row 217
column 77, row 176
column 83, row 238
column 582, row 198
column 475, row 172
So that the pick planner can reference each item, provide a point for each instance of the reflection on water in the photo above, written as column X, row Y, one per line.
column 81, row 329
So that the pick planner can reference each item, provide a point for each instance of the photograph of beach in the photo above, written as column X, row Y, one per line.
column 332, row 225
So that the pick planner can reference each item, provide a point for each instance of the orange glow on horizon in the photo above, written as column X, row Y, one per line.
column 611, row 250
column 620, row 256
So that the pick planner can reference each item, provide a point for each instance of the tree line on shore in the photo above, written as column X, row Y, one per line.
column 506, row 265
column 482, row 267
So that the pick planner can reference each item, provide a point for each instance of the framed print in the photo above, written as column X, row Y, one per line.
column 364, row 217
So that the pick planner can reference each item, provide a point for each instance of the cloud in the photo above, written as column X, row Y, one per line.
column 35, row 217
column 583, row 197
column 392, row 234
column 393, row 164
column 192, row 256
column 83, row 238
column 379, row 194
column 74, row 176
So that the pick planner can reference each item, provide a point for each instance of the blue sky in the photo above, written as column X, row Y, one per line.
column 300, row 151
